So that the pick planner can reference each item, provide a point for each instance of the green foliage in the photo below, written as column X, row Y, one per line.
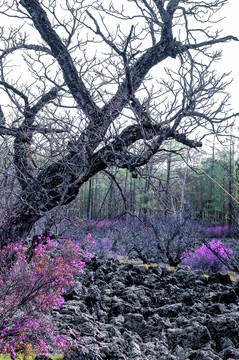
column 158, row 187
column 205, row 193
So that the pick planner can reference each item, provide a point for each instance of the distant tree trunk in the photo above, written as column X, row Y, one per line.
column 103, row 204
column 90, row 199
column 211, row 184
column 167, row 186
column 126, row 191
column 230, row 184
column 182, row 200
column 95, row 198
column 132, row 195
column 146, row 195
column 110, row 203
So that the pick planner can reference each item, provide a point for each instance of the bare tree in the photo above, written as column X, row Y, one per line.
column 83, row 88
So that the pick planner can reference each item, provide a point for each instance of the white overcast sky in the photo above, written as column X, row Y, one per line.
column 230, row 59
column 230, row 55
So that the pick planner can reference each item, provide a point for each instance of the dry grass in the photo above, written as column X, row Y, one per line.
column 21, row 356
column 123, row 260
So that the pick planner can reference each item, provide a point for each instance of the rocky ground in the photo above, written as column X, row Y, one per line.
column 126, row 312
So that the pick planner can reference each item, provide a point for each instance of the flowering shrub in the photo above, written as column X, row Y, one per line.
column 210, row 258
column 222, row 231
column 103, row 247
column 30, row 290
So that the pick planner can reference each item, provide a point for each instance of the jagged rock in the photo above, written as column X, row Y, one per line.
column 229, row 352
column 193, row 337
column 171, row 310
column 203, row 355
column 220, row 278
column 124, row 312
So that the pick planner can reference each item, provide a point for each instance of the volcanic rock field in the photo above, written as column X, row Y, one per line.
column 125, row 312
